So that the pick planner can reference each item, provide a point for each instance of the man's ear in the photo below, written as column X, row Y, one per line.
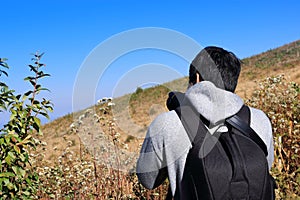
column 198, row 78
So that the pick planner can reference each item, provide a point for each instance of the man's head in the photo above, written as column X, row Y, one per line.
column 216, row 65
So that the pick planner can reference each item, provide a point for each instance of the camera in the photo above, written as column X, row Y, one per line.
column 174, row 100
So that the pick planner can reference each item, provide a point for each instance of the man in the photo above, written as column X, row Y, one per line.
column 213, row 77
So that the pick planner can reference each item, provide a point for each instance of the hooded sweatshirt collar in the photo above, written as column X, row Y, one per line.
column 213, row 103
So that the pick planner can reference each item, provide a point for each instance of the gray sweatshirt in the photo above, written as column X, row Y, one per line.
column 166, row 145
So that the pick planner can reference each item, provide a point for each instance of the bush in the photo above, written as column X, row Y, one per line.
column 18, row 179
column 138, row 90
column 280, row 100
column 101, row 168
column 82, row 178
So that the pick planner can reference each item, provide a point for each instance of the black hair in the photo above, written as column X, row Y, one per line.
column 216, row 65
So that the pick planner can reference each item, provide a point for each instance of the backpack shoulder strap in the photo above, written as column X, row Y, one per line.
column 237, row 122
column 192, row 123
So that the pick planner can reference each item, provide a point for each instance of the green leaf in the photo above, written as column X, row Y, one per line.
column 33, row 68
column 45, row 115
column 26, row 94
column 39, row 56
column 50, row 108
column 4, row 72
column 6, row 180
column 22, row 172
column 43, row 89
column 6, row 174
column 28, row 181
column 18, row 97
column 26, row 140
column 15, row 169
column 37, row 121
column 1, row 140
column 35, row 102
column 3, row 63
column 23, row 158
column 11, row 155
column 26, row 157
column 19, row 171
column 7, row 139
column 36, row 127
column 17, row 149
column 10, row 186
column 37, row 86
column 43, row 75
column 2, row 84
column 32, row 82
column 29, row 78
column 26, row 193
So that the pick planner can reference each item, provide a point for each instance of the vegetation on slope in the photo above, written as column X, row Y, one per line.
column 18, row 178
column 141, row 108
column 282, row 57
column 80, row 175
column 86, row 155
column 280, row 100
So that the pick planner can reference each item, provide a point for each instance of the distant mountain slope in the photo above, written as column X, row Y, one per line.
column 283, row 57
column 133, row 113
column 282, row 60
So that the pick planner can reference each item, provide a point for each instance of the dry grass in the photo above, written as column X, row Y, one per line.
column 100, row 151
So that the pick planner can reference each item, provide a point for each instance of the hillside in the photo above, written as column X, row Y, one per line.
column 282, row 60
column 132, row 113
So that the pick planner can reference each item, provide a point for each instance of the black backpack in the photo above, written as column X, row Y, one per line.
column 224, row 166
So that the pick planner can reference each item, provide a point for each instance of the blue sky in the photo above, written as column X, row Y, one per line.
column 68, row 31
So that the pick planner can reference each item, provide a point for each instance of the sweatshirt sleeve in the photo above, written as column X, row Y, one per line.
column 262, row 126
column 163, row 152
column 151, row 168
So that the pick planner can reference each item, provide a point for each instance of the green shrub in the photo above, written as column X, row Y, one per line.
column 138, row 90
column 18, row 179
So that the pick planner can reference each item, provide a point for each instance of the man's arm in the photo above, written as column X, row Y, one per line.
column 163, row 152
column 262, row 126
column 151, row 170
